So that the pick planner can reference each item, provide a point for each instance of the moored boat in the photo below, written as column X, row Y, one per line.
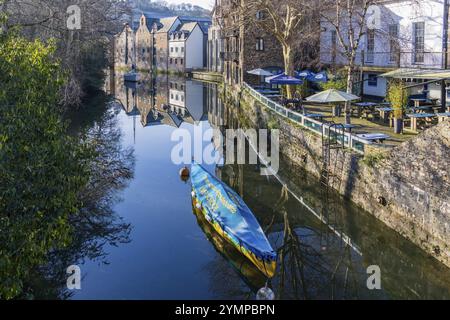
column 245, row 269
column 227, row 213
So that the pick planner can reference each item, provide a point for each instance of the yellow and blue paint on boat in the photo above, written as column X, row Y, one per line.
column 232, row 219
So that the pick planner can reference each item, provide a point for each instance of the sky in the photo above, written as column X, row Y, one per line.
column 208, row 4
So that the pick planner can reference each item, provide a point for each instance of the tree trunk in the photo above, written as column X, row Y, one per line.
column 348, row 104
column 288, row 68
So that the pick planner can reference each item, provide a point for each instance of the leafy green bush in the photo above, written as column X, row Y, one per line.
column 42, row 169
column 337, row 81
column 398, row 97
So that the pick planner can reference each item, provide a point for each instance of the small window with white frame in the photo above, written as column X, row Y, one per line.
column 259, row 44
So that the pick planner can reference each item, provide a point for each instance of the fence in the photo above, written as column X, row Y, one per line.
column 350, row 141
column 396, row 59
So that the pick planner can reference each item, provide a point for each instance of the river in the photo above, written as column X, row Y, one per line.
column 173, row 254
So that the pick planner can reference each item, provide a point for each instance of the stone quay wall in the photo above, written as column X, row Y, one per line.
column 407, row 188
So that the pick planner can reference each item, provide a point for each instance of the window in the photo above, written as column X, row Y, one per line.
column 181, row 61
column 176, row 60
column 370, row 46
column 333, row 46
column 372, row 80
column 176, row 49
column 171, row 60
column 259, row 15
column 419, row 42
column 394, row 47
column 182, row 49
column 259, row 44
column 171, row 49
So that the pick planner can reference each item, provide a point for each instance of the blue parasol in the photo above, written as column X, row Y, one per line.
column 284, row 79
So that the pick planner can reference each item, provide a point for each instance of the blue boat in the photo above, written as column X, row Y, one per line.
column 232, row 219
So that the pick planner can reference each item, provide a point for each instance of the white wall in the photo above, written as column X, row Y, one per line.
column 378, row 91
column 403, row 13
column 195, row 99
column 176, row 48
column 195, row 49
column 177, row 97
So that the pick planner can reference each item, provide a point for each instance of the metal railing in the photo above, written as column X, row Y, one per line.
column 349, row 140
column 397, row 59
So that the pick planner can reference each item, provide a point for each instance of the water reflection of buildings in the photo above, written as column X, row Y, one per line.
column 164, row 100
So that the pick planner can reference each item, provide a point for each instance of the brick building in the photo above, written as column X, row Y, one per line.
column 245, row 46
column 124, row 47
column 144, row 43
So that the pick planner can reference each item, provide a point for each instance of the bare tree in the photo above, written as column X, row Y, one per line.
column 349, row 18
column 48, row 19
column 290, row 22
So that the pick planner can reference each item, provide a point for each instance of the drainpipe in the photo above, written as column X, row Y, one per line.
column 445, row 52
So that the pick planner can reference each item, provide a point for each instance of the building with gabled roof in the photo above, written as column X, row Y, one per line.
column 187, row 48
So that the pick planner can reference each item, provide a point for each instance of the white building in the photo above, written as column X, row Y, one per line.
column 215, row 44
column 187, row 47
column 187, row 100
column 405, row 34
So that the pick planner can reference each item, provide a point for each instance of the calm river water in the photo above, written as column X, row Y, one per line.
column 172, row 254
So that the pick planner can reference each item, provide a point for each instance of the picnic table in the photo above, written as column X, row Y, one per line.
column 443, row 116
column 374, row 137
column 364, row 106
column 384, row 113
column 422, row 108
column 418, row 101
column 349, row 127
column 268, row 91
column 416, row 116
column 293, row 101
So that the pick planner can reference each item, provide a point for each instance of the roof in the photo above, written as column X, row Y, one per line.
column 204, row 23
column 167, row 24
column 186, row 27
column 424, row 74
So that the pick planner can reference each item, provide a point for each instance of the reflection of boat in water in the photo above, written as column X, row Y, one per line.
column 227, row 213
column 246, row 270
column 132, row 77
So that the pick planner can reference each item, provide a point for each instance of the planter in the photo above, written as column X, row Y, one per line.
column 398, row 126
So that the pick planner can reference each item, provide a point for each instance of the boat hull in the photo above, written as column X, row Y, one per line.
column 268, row 268
column 248, row 272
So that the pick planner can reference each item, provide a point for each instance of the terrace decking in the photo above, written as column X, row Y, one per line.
column 365, row 122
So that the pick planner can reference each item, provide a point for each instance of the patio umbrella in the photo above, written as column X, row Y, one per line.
column 260, row 72
column 311, row 76
column 319, row 77
column 305, row 74
column 332, row 96
column 284, row 79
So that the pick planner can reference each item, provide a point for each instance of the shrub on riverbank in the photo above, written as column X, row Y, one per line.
column 42, row 169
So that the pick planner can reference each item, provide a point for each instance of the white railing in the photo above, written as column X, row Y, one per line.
column 350, row 141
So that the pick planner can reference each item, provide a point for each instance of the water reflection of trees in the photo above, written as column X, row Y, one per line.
column 329, row 261
column 96, row 225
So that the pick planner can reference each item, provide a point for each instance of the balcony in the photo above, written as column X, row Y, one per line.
column 388, row 60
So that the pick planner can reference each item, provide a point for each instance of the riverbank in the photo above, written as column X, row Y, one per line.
column 406, row 187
